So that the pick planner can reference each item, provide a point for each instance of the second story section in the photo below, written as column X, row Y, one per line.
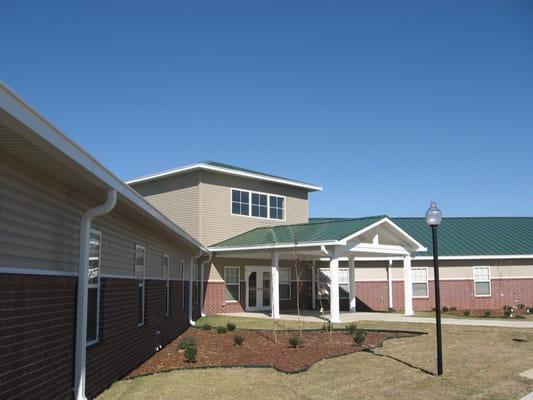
column 214, row 201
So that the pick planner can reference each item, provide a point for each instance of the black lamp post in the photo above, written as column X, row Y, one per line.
column 433, row 219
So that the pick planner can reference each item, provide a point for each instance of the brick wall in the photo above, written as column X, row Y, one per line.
column 37, row 333
column 214, row 299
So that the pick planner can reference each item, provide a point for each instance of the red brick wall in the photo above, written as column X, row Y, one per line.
column 214, row 299
column 37, row 333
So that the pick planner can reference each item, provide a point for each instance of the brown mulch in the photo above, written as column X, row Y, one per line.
column 258, row 349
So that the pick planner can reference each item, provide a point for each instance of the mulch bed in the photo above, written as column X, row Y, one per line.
column 258, row 350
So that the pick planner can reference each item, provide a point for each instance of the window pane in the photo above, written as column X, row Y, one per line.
column 263, row 200
column 284, row 275
column 482, row 288
column 344, row 291
column 263, row 212
column 245, row 210
column 280, row 214
column 94, row 258
column 280, row 202
column 245, row 198
column 236, row 195
column 92, row 312
column 255, row 211
column 232, row 293
column 273, row 201
column 236, row 208
column 284, row 292
column 420, row 289
column 255, row 198
column 140, row 305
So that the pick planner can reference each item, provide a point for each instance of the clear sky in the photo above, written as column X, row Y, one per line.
column 388, row 105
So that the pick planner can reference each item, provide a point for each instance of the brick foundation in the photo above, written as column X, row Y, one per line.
column 37, row 333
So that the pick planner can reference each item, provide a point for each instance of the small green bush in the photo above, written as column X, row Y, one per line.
column 296, row 341
column 186, row 342
column 351, row 328
column 191, row 353
column 508, row 311
column 529, row 310
column 467, row 313
column 222, row 329
column 230, row 326
column 445, row 309
column 521, row 306
column 487, row 313
column 359, row 337
column 238, row 340
column 206, row 327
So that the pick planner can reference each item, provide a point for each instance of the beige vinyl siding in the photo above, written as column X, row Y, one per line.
column 218, row 223
column 178, row 197
column 40, row 222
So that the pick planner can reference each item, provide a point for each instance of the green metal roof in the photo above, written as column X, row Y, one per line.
column 312, row 232
column 471, row 236
column 474, row 236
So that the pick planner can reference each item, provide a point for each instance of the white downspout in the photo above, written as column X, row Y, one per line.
column 202, row 267
column 83, row 282
column 193, row 259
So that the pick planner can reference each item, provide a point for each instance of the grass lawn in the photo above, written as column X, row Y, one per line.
column 479, row 363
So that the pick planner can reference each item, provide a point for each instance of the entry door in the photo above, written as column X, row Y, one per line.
column 257, row 288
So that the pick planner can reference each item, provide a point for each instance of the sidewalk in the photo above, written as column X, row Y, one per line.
column 346, row 317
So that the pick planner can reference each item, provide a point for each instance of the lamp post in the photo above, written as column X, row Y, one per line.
column 433, row 219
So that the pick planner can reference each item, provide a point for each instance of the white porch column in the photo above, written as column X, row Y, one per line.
column 334, row 289
column 275, row 286
column 389, row 282
column 313, row 284
column 351, row 277
column 407, row 286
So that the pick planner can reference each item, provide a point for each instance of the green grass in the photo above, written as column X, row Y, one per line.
column 479, row 363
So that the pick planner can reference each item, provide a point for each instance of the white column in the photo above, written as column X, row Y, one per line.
column 389, row 282
column 351, row 276
column 407, row 286
column 334, row 289
column 313, row 284
column 275, row 286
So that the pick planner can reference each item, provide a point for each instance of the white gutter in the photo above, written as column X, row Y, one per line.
column 83, row 282
column 193, row 259
column 204, row 263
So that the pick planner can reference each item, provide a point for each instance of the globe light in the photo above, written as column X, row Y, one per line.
column 433, row 215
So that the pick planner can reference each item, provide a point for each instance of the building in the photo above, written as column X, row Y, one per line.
column 97, row 274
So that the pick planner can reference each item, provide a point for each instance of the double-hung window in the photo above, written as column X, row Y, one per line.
column 259, row 205
column 277, row 205
column 482, row 285
column 181, row 277
column 232, row 277
column 93, row 294
column 240, row 202
column 344, row 283
column 166, row 277
column 140, row 265
column 284, row 284
column 420, row 282
column 324, row 283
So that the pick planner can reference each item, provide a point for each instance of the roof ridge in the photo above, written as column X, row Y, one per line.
column 489, row 217
column 324, row 222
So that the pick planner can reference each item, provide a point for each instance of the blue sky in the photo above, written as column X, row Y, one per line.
column 388, row 105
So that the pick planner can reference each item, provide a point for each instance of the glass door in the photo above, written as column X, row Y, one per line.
column 257, row 288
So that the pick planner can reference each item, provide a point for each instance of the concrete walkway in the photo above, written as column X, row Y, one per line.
column 347, row 317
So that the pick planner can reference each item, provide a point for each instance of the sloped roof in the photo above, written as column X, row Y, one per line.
column 470, row 236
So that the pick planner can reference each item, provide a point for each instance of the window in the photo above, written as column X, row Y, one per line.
column 344, row 283
column 240, row 202
column 324, row 281
column 420, row 282
column 232, row 277
column 284, row 284
column 195, row 286
column 482, row 285
column 93, row 294
column 276, row 207
column 166, row 277
column 258, row 205
column 140, row 262
column 181, row 277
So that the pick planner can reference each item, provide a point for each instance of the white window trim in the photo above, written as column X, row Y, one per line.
column 167, row 284
column 250, row 205
column 181, row 276
column 489, row 281
column 427, row 282
column 238, row 284
column 290, row 284
column 97, row 286
column 141, row 282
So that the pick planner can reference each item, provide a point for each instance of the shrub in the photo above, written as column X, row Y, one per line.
column 453, row 308
column 206, row 327
column 186, row 342
column 238, row 340
column 529, row 310
column 359, row 337
column 508, row 311
column 221, row 329
column 445, row 309
column 467, row 313
column 521, row 306
column 487, row 313
column 190, row 353
column 296, row 341
column 351, row 328
column 230, row 326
